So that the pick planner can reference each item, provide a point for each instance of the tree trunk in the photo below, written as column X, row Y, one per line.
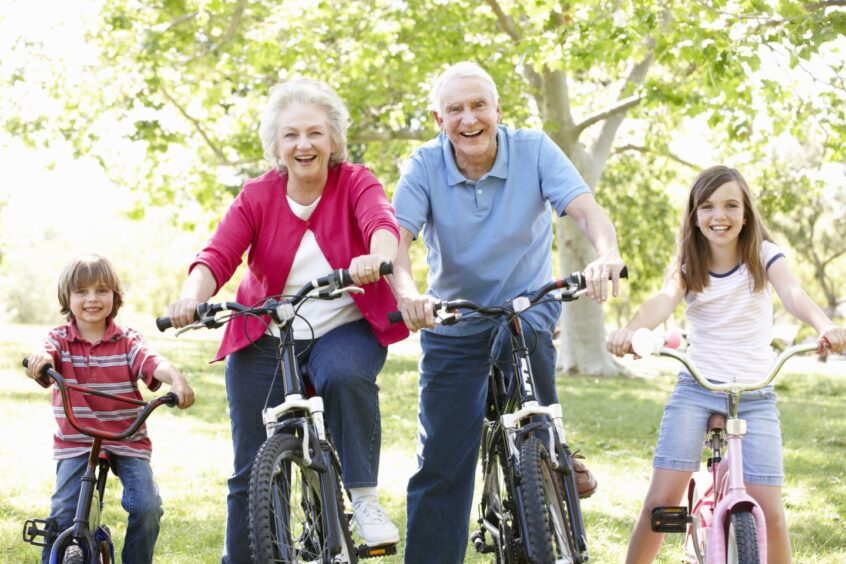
column 582, row 340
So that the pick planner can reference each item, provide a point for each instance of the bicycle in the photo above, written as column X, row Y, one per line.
column 722, row 522
column 88, row 540
column 529, row 504
column 296, row 505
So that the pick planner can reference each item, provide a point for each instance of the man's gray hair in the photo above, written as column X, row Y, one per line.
column 303, row 91
column 464, row 69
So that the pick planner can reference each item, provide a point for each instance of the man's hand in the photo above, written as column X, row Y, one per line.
column 599, row 272
column 417, row 312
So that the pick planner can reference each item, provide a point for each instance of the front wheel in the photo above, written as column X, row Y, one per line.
column 73, row 555
column 287, row 522
column 550, row 535
column 742, row 539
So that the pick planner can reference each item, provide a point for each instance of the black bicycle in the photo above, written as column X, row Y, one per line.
column 296, row 505
column 87, row 541
column 529, row 505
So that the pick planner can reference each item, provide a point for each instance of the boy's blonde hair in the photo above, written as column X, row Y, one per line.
column 87, row 270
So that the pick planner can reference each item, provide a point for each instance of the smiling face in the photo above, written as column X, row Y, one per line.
column 721, row 216
column 304, row 144
column 469, row 113
column 92, row 305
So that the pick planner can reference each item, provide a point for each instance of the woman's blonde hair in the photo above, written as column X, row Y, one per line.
column 84, row 271
column 303, row 91
column 694, row 255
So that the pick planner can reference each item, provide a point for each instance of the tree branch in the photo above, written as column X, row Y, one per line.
column 647, row 151
column 505, row 23
column 379, row 136
column 218, row 152
column 814, row 6
column 621, row 106
column 234, row 22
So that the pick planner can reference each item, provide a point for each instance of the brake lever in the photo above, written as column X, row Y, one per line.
column 446, row 317
column 337, row 292
column 208, row 322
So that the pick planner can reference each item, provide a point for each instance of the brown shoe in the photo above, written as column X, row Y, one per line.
column 585, row 482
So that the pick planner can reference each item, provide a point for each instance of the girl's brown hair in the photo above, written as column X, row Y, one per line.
column 84, row 271
column 694, row 254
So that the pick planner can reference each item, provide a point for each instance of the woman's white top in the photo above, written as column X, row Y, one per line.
column 731, row 326
column 311, row 263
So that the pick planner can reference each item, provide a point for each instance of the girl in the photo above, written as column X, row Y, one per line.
column 724, row 261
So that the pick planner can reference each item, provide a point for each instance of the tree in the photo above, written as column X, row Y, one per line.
column 609, row 81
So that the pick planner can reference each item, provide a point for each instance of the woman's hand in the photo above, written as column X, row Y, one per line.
column 364, row 269
column 182, row 311
column 836, row 337
column 620, row 342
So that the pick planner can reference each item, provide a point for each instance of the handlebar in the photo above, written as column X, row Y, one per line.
column 571, row 288
column 169, row 399
column 331, row 286
column 646, row 343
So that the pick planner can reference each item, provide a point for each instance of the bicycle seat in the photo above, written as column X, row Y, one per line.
column 716, row 422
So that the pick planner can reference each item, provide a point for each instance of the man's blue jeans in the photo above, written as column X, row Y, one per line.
column 453, row 389
column 140, row 499
column 342, row 365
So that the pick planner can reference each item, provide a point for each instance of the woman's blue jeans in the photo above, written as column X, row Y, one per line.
column 140, row 499
column 342, row 365
column 453, row 390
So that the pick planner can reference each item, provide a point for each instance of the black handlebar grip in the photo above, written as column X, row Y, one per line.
column 43, row 380
column 171, row 399
column 625, row 272
column 163, row 323
column 386, row 268
column 394, row 317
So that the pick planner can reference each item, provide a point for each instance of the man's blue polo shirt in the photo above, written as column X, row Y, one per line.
column 491, row 239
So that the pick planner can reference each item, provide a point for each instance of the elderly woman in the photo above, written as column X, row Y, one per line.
column 311, row 214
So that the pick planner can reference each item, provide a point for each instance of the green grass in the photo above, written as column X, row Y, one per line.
column 613, row 421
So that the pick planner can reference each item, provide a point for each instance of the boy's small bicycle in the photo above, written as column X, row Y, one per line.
column 530, row 503
column 296, row 505
column 87, row 541
column 722, row 522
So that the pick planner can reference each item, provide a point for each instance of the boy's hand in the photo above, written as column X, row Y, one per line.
column 183, row 391
column 37, row 362
column 619, row 342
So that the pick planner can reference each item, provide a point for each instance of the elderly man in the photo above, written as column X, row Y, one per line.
column 481, row 193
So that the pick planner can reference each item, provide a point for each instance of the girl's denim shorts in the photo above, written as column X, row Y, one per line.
column 683, row 428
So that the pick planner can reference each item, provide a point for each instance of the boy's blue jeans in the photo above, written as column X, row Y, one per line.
column 453, row 390
column 140, row 499
column 342, row 365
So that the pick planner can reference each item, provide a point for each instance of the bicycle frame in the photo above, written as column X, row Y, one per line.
column 514, row 415
column 298, row 415
column 726, row 492
column 93, row 479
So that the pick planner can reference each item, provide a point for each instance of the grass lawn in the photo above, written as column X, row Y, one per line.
column 613, row 421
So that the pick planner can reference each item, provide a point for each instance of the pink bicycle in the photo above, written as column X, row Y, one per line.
column 722, row 522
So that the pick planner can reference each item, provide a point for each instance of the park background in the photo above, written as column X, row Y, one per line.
column 127, row 127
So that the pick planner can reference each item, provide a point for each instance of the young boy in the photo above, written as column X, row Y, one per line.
column 92, row 351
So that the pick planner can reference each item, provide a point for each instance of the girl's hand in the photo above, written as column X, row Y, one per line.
column 619, row 342
column 37, row 362
column 836, row 339
column 364, row 269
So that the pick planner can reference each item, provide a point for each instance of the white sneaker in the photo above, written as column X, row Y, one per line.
column 373, row 524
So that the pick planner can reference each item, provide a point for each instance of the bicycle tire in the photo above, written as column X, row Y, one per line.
column 73, row 555
column 549, row 532
column 286, row 507
column 498, row 509
column 742, row 539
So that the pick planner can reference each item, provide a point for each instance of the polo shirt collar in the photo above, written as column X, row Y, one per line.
column 499, row 168
column 112, row 332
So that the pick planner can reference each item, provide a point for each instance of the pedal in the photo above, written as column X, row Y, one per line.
column 478, row 540
column 365, row 551
column 44, row 528
column 670, row 519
